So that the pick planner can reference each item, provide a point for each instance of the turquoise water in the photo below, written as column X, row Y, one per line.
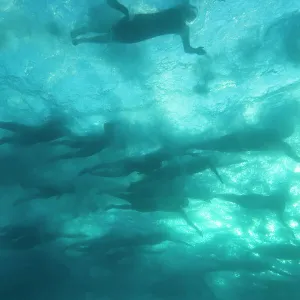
column 58, row 241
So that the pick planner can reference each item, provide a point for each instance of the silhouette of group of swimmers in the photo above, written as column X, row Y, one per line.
column 111, row 250
column 157, row 188
column 162, row 167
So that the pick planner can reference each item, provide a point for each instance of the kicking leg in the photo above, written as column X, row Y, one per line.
column 79, row 31
column 118, row 6
column 84, row 152
column 117, row 172
column 7, row 140
column 14, row 127
column 62, row 157
column 68, row 143
column 26, row 199
column 84, row 30
column 101, row 39
column 118, row 206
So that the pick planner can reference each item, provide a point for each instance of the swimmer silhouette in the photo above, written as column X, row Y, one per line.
column 143, row 164
column 46, row 192
column 153, row 201
column 87, row 146
column 251, row 139
column 27, row 135
column 141, row 27
column 187, row 167
column 275, row 202
column 25, row 236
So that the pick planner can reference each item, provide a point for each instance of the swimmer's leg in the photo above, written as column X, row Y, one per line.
column 119, row 206
column 79, row 31
column 69, row 143
column 118, row 6
column 26, row 199
column 62, row 157
column 14, row 127
column 7, row 140
column 97, row 167
column 90, row 170
column 101, row 39
column 82, row 153
column 118, row 172
column 84, row 30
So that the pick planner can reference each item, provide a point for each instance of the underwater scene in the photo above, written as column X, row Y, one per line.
column 149, row 150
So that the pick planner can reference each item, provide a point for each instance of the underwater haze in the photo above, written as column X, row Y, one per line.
column 140, row 172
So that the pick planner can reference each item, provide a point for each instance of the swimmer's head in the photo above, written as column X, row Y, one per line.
column 191, row 14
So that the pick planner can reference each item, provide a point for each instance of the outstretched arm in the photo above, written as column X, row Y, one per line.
column 185, row 37
column 118, row 6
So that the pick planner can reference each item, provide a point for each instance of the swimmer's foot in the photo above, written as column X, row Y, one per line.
column 75, row 42
column 200, row 51
column 73, row 34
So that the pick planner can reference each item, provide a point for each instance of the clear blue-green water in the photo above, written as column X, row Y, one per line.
column 59, row 241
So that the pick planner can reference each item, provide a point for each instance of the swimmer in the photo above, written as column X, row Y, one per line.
column 89, row 145
column 47, row 191
column 250, row 139
column 141, row 27
column 142, row 164
column 152, row 199
column 28, row 135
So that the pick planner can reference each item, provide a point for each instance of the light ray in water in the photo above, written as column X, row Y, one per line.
column 293, row 224
column 271, row 226
column 297, row 169
column 251, row 113
column 238, row 231
column 254, row 236
column 218, row 224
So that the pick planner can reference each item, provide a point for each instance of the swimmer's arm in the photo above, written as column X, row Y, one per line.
column 118, row 6
column 185, row 37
